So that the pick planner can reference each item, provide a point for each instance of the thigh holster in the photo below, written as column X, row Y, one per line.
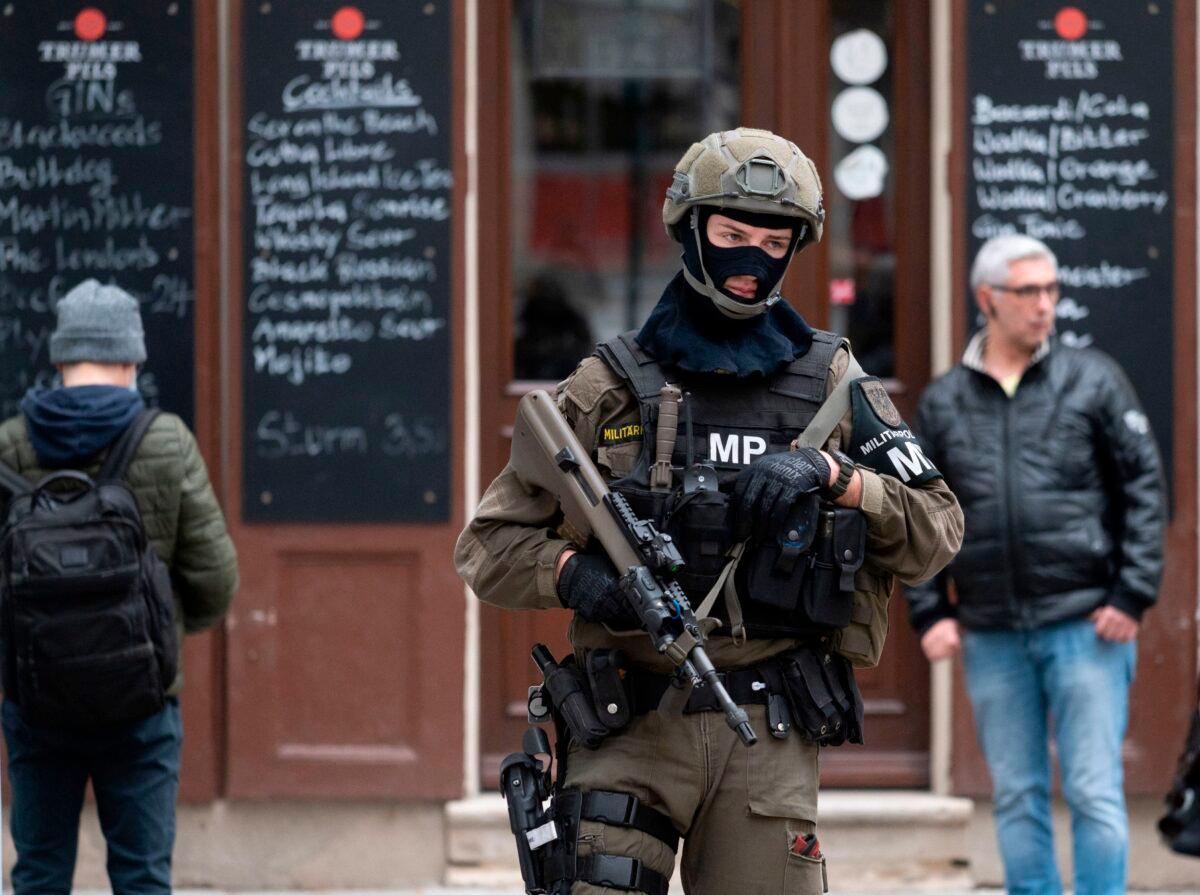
column 548, row 840
column 563, row 865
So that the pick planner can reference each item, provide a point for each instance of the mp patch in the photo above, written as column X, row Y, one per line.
column 879, row 438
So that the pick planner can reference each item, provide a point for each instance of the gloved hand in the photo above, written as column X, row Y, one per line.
column 589, row 584
column 768, row 489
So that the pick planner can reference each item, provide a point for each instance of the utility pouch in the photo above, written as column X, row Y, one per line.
column 609, row 696
column 645, row 503
column 822, row 695
column 813, row 576
column 776, row 572
column 809, row 697
column 837, row 553
column 861, row 639
column 821, row 601
column 779, row 714
column 567, row 690
column 849, row 548
column 699, row 523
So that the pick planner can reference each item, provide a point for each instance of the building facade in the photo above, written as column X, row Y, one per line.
column 362, row 231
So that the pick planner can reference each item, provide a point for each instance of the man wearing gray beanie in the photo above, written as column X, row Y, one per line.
column 98, row 324
column 133, row 765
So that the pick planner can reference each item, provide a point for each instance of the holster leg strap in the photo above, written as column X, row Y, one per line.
column 620, row 872
column 624, row 810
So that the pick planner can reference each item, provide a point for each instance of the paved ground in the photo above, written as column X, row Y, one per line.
column 468, row 890
column 877, row 891
column 465, row 890
column 460, row 890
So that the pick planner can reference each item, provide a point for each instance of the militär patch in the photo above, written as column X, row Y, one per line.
column 876, row 394
column 879, row 438
column 610, row 435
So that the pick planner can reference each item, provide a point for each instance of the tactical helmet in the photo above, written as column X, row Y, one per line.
column 750, row 170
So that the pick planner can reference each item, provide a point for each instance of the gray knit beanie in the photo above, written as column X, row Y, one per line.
column 98, row 324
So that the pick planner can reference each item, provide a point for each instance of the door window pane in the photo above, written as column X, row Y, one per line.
column 607, row 95
column 860, row 194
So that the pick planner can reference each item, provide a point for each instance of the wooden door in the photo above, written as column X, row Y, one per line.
column 773, row 38
column 1164, row 692
column 345, row 647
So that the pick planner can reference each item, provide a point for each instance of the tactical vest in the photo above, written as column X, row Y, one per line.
column 724, row 424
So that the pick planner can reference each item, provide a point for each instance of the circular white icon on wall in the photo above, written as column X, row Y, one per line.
column 860, row 114
column 858, row 57
column 862, row 173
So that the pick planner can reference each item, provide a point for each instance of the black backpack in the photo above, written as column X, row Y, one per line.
column 87, row 614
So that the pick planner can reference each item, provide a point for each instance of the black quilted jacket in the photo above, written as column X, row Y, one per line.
column 1061, row 489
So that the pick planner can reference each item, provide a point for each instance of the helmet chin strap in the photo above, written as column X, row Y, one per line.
column 731, row 307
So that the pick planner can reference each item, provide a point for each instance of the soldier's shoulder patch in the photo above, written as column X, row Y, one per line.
column 877, row 397
column 879, row 438
column 620, row 434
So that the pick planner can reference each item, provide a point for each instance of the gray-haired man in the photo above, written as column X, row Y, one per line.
column 1061, row 487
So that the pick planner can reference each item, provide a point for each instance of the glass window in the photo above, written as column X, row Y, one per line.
column 860, row 194
column 607, row 95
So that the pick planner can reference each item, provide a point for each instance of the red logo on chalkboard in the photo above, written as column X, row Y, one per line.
column 1070, row 23
column 347, row 23
column 90, row 24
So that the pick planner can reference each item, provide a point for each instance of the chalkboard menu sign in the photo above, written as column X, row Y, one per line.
column 1070, row 139
column 96, row 180
column 346, row 210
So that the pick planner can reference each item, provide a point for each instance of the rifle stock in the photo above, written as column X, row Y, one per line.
column 546, row 453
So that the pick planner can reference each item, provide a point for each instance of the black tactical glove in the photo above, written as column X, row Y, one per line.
column 589, row 584
column 768, row 489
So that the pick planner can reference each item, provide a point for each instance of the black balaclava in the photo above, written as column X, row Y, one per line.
column 721, row 264
column 686, row 330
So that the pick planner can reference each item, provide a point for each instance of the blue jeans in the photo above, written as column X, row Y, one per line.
column 1015, row 680
column 134, row 769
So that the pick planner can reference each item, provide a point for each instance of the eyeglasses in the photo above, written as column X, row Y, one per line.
column 1032, row 291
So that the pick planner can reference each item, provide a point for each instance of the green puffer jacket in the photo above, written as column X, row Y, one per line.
column 179, row 511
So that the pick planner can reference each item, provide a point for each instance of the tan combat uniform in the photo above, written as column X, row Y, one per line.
column 739, row 809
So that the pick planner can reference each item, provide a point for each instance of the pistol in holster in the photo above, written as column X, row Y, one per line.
column 525, row 784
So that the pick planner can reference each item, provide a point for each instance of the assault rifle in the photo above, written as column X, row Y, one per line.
column 546, row 453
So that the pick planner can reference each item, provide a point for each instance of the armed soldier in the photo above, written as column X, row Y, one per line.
column 794, row 492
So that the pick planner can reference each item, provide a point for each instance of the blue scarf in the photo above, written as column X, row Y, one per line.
column 71, row 425
column 685, row 330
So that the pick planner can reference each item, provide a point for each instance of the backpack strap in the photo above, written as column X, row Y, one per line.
column 12, row 481
column 121, row 455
